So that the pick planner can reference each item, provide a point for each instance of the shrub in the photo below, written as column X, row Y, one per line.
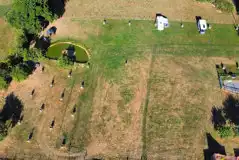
column 64, row 61
column 3, row 83
column 226, row 131
column 18, row 73
column 33, row 54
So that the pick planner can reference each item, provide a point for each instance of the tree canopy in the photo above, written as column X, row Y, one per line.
column 28, row 15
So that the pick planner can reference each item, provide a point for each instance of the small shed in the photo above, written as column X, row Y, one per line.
column 161, row 22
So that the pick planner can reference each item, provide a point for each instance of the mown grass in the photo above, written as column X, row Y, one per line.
column 55, row 52
column 163, row 133
column 6, row 39
column 80, row 133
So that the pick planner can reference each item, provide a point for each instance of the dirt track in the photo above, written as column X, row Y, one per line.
column 185, row 10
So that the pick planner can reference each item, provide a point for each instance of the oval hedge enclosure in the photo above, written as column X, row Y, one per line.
column 57, row 49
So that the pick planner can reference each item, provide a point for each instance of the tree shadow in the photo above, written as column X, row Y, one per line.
column 231, row 109
column 236, row 152
column 43, row 43
column 71, row 53
column 236, row 3
column 218, row 119
column 57, row 7
column 213, row 147
column 12, row 109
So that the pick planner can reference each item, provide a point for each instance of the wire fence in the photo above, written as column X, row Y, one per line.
column 229, row 86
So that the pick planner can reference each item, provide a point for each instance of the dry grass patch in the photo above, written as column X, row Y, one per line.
column 115, row 127
column 183, row 90
column 185, row 10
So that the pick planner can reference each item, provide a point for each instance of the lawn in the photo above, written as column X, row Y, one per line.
column 6, row 40
column 177, row 110
column 156, row 105
column 55, row 52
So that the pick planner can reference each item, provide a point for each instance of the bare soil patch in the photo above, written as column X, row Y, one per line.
column 66, row 28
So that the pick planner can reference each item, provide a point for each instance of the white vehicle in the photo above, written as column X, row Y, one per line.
column 161, row 22
column 202, row 26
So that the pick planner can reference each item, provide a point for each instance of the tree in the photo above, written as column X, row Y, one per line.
column 3, row 83
column 28, row 15
column 18, row 73
column 63, row 61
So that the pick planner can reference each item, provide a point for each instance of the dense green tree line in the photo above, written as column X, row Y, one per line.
column 28, row 15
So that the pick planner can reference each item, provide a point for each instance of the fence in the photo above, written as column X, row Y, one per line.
column 230, row 87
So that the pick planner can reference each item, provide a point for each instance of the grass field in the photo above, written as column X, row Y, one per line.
column 6, row 40
column 184, row 10
column 158, row 105
column 55, row 52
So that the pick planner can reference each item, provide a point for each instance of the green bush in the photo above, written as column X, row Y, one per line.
column 64, row 61
column 27, row 14
column 3, row 83
column 226, row 131
column 33, row 54
column 19, row 74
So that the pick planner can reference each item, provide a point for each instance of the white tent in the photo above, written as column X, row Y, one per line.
column 202, row 26
column 161, row 23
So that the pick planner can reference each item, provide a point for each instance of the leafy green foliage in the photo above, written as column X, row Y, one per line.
column 26, row 14
column 64, row 61
column 226, row 131
column 32, row 54
column 3, row 83
column 19, row 73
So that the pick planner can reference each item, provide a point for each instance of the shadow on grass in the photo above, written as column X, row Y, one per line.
column 218, row 119
column 229, row 111
column 12, row 109
column 236, row 3
column 213, row 147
